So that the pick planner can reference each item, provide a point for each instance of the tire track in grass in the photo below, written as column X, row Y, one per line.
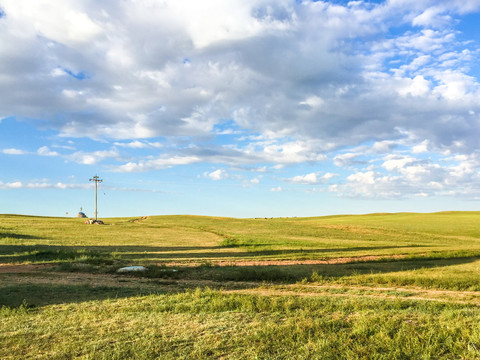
column 386, row 293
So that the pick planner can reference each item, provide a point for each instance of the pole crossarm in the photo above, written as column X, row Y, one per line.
column 97, row 180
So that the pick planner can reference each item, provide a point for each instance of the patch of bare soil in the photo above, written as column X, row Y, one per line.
column 23, row 268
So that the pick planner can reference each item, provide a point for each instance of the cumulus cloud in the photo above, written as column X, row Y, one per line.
column 404, row 176
column 312, row 178
column 420, row 148
column 286, row 82
column 371, row 185
column 66, row 23
column 272, row 62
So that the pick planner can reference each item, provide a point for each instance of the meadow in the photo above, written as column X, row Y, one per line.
column 377, row 286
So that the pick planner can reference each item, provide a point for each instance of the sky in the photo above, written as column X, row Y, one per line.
column 241, row 108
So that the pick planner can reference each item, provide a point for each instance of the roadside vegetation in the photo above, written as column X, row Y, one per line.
column 378, row 286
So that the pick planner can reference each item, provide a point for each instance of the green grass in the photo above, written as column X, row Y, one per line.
column 379, row 286
column 208, row 324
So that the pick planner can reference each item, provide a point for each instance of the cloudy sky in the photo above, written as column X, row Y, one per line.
column 239, row 107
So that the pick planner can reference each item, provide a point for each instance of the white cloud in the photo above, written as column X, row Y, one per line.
column 41, row 185
column 201, row 97
column 309, row 179
column 397, row 162
column 381, row 147
column 66, row 23
column 272, row 151
column 13, row 151
column 92, row 158
column 312, row 178
column 156, row 164
column 312, row 102
column 403, row 176
column 370, row 185
column 211, row 21
column 12, row 185
column 276, row 189
column 81, row 157
column 136, row 144
column 219, row 174
column 432, row 17
column 363, row 178
column 297, row 80
column 45, row 184
column 329, row 176
column 455, row 85
column 420, row 148
column 417, row 86
column 45, row 151
column 287, row 153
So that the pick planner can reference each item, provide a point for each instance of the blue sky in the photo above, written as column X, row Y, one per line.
column 239, row 108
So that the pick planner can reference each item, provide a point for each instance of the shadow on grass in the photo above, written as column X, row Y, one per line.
column 295, row 273
column 33, row 295
column 42, row 253
column 18, row 236
column 13, row 249
column 39, row 253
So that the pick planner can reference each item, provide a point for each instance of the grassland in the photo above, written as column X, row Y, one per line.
column 378, row 286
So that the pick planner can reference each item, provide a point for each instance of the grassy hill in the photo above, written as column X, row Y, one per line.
column 365, row 286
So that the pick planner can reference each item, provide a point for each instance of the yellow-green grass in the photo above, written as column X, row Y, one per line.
column 208, row 238
column 404, row 249
column 379, row 286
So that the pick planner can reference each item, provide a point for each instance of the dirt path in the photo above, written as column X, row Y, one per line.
column 342, row 260
column 27, row 268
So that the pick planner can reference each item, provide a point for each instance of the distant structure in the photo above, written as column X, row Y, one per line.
column 81, row 214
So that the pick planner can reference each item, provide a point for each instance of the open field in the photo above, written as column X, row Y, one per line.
column 379, row 286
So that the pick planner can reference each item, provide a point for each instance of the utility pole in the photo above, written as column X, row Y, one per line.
column 97, row 180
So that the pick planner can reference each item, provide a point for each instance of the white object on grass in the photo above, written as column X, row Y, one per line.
column 132, row 268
